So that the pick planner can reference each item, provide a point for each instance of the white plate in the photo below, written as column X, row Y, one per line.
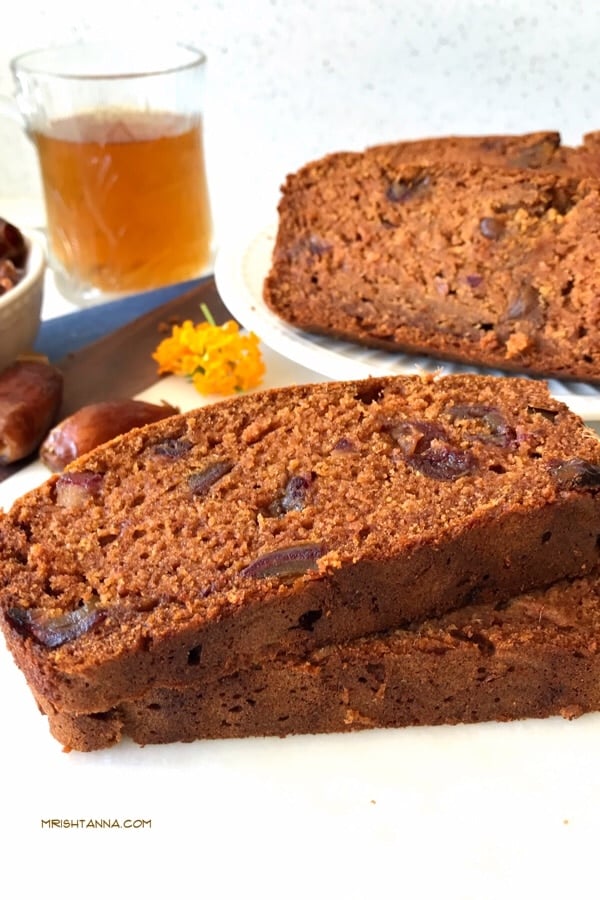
column 240, row 270
column 455, row 812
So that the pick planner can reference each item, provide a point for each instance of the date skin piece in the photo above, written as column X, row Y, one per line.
column 13, row 246
column 95, row 424
column 54, row 631
column 30, row 397
column 286, row 561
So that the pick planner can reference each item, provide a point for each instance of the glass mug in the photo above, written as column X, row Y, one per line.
column 119, row 139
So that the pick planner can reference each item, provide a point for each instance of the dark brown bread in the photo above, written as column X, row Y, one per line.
column 422, row 248
column 537, row 150
column 284, row 520
column 520, row 151
column 537, row 655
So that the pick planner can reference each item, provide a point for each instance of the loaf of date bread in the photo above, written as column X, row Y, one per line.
column 426, row 249
column 280, row 521
column 533, row 656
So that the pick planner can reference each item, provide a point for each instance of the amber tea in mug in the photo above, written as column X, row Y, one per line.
column 122, row 165
column 126, row 199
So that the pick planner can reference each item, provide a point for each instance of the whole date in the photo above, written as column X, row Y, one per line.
column 95, row 424
column 30, row 397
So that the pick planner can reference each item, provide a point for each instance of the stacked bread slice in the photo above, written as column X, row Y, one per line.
column 386, row 552
column 536, row 655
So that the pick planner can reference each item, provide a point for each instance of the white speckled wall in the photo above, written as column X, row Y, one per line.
column 289, row 81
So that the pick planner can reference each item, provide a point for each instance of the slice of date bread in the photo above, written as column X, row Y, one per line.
column 537, row 655
column 287, row 519
column 483, row 264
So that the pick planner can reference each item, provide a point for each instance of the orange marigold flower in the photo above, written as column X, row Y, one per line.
column 218, row 359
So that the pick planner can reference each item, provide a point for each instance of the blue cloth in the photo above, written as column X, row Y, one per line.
column 68, row 333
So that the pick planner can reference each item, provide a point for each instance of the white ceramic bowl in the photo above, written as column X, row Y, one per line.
column 20, row 307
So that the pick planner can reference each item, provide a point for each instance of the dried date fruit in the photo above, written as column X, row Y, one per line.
column 54, row 631
column 95, row 424
column 285, row 562
column 416, row 435
column 474, row 280
column 344, row 445
column 527, row 305
column 499, row 431
column 443, row 463
column 549, row 414
column 295, row 493
column 575, row 473
column 293, row 497
column 12, row 244
column 73, row 489
column 30, row 397
column 426, row 447
column 173, row 448
column 200, row 482
column 402, row 190
column 491, row 228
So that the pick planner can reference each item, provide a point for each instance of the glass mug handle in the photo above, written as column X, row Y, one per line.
column 9, row 110
column 22, row 202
